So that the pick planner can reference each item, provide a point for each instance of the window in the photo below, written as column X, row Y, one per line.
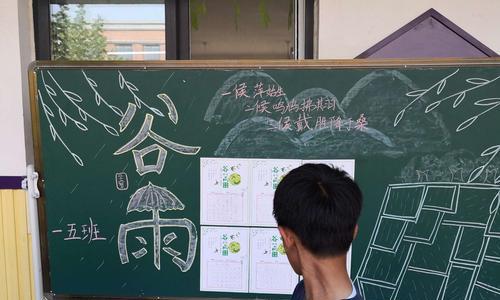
column 102, row 31
column 222, row 29
column 153, row 52
column 121, row 51
column 173, row 29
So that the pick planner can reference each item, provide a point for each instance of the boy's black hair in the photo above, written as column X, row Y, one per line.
column 321, row 205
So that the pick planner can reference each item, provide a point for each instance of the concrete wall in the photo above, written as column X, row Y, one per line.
column 16, row 52
column 346, row 28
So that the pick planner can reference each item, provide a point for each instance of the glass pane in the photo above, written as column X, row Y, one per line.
column 225, row 29
column 122, row 51
column 152, row 52
column 107, row 30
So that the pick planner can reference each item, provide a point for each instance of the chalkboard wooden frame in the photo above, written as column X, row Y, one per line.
column 239, row 64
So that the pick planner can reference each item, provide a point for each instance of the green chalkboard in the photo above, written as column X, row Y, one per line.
column 119, row 147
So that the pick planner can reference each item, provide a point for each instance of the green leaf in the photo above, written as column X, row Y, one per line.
column 53, row 132
column 459, row 99
column 264, row 15
column 237, row 13
column 116, row 110
column 432, row 106
column 466, row 123
column 399, row 116
column 477, row 81
column 47, row 109
column 72, row 96
column 493, row 150
column 476, row 173
column 62, row 116
column 441, row 86
column 77, row 159
column 83, row 114
column 495, row 203
column 77, row 38
column 111, row 130
column 197, row 9
column 81, row 126
column 488, row 102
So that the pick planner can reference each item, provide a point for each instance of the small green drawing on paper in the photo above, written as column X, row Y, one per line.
column 281, row 249
column 234, row 247
column 234, row 179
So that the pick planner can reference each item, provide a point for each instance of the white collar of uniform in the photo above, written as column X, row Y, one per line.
column 353, row 293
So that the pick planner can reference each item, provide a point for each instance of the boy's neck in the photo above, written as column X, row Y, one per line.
column 325, row 278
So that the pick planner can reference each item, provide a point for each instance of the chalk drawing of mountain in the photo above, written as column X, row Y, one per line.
column 262, row 136
column 380, row 95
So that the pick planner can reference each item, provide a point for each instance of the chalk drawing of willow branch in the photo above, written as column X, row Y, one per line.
column 98, row 98
column 490, row 103
column 53, row 132
column 63, row 116
column 458, row 97
column 124, row 83
column 418, row 94
column 492, row 153
column 75, row 99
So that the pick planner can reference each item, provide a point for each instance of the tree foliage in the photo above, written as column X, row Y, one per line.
column 198, row 8
column 76, row 38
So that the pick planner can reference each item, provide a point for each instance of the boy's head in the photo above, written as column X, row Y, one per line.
column 320, row 205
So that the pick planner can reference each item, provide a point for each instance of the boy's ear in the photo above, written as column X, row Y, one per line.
column 355, row 232
column 287, row 235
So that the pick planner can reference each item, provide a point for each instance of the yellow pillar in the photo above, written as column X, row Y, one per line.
column 16, row 280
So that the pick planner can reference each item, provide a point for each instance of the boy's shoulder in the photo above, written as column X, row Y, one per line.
column 299, row 293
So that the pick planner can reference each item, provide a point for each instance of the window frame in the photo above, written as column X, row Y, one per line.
column 177, row 29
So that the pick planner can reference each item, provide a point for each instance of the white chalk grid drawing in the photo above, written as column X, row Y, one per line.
column 439, row 239
column 434, row 240
column 157, row 199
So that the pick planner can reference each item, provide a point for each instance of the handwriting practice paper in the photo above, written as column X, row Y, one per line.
column 224, row 192
column 240, row 192
column 270, row 271
column 266, row 174
column 241, row 248
column 224, row 259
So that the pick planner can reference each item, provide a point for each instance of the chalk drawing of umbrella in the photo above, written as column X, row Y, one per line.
column 155, row 199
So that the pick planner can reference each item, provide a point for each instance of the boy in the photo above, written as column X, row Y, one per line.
column 317, row 209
